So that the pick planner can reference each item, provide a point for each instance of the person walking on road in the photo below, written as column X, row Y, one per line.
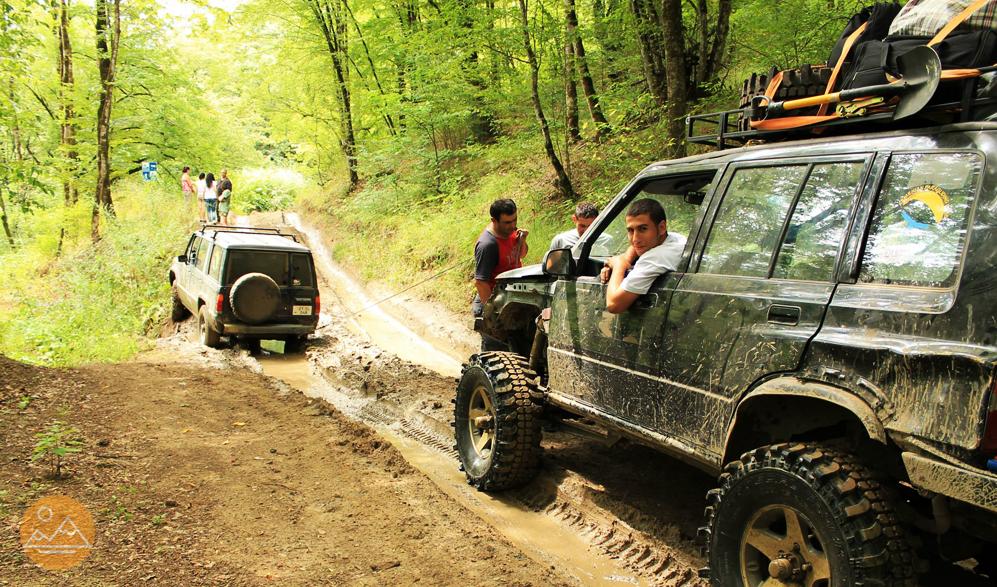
column 500, row 247
column 202, row 213
column 187, row 185
column 211, row 198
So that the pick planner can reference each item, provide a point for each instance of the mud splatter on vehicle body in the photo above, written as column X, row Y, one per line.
column 828, row 344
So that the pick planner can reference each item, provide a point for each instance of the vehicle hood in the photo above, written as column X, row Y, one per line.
column 530, row 272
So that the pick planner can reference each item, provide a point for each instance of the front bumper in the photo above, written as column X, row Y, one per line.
column 972, row 486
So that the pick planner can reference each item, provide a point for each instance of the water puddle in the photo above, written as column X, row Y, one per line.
column 373, row 323
column 540, row 537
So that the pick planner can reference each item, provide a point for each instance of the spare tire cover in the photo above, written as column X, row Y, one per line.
column 255, row 298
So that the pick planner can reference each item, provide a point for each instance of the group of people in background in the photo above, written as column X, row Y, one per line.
column 214, row 197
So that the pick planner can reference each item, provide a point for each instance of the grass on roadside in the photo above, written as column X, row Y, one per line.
column 93, row 303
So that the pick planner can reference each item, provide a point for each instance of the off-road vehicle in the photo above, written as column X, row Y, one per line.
column 827, row 348
column 251, row 283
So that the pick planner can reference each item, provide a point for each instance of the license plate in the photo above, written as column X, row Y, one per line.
column 302, row 311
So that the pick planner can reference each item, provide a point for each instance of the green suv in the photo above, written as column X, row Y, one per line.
column 251, row 283
column 827, row 348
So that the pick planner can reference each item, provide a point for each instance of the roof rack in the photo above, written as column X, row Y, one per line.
column 724, row 129
column 216, row 228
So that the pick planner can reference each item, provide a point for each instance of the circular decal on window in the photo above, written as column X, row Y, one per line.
column 924, row 206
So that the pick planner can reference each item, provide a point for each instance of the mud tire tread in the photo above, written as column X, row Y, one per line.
column 178, row 312
column 881, row 552
column 519, row 402
column 207, row 335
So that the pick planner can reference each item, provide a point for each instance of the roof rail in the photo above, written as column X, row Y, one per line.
column 729, row 128
column 216, row 228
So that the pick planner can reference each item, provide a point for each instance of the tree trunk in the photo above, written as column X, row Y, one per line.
column 677, row 78
column 570, row 93
column 3, row 218
column 563, row 182
column 646, row 22
column 68, row 135
column 332, row 22
column 588, row 86
column 108, row 35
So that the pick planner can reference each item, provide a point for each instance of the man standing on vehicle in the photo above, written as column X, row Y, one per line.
column 500, row 247
column 585, row 214
column 653, row 251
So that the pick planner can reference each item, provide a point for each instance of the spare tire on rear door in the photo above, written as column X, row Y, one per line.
column 255, row 298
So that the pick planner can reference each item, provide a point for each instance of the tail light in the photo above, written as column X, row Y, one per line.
column 318, row 305
column 220, row 303
column 989, row 442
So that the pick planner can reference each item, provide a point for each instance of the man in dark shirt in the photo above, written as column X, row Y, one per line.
column 500, row 247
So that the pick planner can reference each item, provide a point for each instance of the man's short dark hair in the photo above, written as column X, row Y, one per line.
column 502, row 206
column 586, row 210
column 650, row 207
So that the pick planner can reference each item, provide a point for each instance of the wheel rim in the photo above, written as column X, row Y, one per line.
column 481, row 422
column 780, row 547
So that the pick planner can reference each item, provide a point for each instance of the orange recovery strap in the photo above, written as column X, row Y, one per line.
column 845, row 50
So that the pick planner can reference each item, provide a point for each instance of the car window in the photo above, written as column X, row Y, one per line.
column 677, row 196
column 215, row 267
column 820, row 218
column 195, row 249
column 748, row 225
column 920, row 222
column 301, row 270
column 272, row 263
column 202, row 255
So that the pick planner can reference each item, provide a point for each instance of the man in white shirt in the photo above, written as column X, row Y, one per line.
column 585, row 214
column 652, row 252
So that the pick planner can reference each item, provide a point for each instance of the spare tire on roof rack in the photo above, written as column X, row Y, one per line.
column 802, row 82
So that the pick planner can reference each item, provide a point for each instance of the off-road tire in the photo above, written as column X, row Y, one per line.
column 517, row 401
column 295, row 343
column 255, row 298
column 178, row 312
column 802, row 82
column 208, row 336
column 847, row 506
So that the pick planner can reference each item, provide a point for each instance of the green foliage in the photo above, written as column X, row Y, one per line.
column 55, row 443
column 266, row 189
column 24, row 402
column 96, row 303
column 158, row 520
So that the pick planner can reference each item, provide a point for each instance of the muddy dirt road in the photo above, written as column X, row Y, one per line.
column 332, row 466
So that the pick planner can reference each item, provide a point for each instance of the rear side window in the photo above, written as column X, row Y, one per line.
column 749, row 224
column 202, row 255
column 820, row 218
column 919, row 226
column 215, row 267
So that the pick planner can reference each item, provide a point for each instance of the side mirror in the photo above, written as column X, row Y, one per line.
column 559, row 262
column 182, row 259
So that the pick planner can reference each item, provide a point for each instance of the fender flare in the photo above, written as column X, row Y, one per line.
column 796, row 387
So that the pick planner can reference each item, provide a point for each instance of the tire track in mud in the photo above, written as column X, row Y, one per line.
column 646, row 557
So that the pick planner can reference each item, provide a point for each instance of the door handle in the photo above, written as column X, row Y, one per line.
column 784, row 314
column 646, row 301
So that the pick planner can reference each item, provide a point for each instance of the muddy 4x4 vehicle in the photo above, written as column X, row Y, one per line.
column 252, row 283
column 827, row 347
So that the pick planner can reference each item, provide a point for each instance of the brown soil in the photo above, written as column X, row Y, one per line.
column 198, row 475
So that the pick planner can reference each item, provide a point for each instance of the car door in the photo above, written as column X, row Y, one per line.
column 608, row 361
column 184, row 277
column 763, row 277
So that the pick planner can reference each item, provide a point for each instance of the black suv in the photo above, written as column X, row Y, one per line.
column 828, row 348
column 253, row 283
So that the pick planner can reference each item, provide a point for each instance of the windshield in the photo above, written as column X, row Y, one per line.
column 286, row 269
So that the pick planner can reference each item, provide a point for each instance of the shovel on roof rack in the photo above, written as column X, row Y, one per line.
column 920, row 71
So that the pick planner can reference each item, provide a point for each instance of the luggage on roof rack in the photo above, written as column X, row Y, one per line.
column 724, row 129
